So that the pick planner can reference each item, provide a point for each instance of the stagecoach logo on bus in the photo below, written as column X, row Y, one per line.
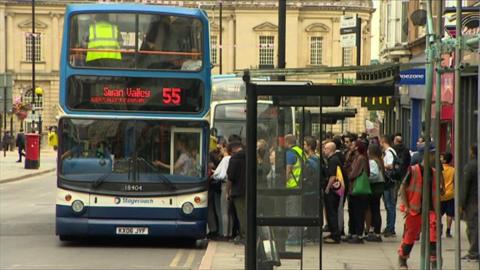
column 132, row 201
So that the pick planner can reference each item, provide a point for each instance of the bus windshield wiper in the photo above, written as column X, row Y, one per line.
column 164, row 179
column 101, row 179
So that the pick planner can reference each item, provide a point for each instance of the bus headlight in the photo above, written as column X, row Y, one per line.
column 187, row 208
column 77, row 206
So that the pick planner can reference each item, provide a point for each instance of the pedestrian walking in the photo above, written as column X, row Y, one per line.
column 390, row 193
column 6, row 141
column 411, row 205
column 332, row 199
column 236, row 184
column 447, row 199
column 20, row 142
column 377, row 185
column 469, row 203
column 293, row 171
column 358, row 202
column 53, row 138
column 220, row 175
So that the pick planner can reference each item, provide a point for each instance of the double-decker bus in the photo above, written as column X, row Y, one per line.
column 135, row 89
column 228, row 110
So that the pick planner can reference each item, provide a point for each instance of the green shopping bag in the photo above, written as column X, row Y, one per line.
column 361, row 186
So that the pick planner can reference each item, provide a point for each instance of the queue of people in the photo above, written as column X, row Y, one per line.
column 358, row 171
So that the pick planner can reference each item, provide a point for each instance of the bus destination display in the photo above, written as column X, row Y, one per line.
column 135, row 94
column 171, row 96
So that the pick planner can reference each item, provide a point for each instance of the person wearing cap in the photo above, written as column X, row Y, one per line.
column 411, row 205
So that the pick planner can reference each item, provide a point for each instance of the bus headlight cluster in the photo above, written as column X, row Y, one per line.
column 187, row 208
column 77, row 206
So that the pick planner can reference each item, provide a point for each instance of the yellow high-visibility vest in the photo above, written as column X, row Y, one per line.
column 103, row 35
column 294, row 177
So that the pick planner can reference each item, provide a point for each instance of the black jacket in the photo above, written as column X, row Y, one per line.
column 236, row 174
column 470, row 185
column 20, row 141
column 404, row 154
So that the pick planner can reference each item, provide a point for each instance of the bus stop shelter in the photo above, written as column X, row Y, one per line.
column 268, row 223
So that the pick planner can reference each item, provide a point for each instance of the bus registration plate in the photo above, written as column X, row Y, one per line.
column 132, row 230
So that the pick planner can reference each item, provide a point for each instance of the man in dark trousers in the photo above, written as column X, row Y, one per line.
column 20, row 142
column 236, row 185
column 469, row 203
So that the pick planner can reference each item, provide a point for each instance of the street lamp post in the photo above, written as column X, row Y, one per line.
column 32, row 36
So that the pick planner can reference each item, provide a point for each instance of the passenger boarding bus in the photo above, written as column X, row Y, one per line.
column 135, row 91
column 228, row 110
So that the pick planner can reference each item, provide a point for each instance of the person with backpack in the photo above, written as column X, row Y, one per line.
column 311, row 181
column 402, row 152
column 392, row 166
column 294, row 164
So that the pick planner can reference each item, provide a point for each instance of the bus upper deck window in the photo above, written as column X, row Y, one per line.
column 136, row 41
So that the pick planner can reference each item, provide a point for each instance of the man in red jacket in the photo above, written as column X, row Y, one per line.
column 411, row 205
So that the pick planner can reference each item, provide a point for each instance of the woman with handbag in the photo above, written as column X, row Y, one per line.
column 359, row 191
column 377, row 185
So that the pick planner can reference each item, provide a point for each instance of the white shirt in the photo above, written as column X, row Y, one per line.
column 388, row 158
column 220, row 172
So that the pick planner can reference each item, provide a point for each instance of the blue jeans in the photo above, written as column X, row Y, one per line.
column 390, row 201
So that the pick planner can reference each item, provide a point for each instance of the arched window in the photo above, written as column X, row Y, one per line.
column 38, row 99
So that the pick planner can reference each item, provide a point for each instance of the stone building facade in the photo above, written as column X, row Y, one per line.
column 249, row 40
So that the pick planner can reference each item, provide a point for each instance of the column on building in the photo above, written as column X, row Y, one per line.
column 10, row 38
column 2, row 40
column 231, row 44
column 55, row 42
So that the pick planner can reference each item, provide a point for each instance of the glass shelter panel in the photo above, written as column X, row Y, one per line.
column 288, row 185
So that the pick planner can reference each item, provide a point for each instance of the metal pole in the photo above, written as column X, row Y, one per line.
column 221, row 38
column 438, row 172
column 457, row 132
column 282, row 13
column 251, row 194
column 344, row 102
column 426, row 188
column 359, row 40
column 321, row 198
column 33, row 65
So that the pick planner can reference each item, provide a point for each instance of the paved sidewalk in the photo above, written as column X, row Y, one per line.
column 10, row 170
column 226, row 255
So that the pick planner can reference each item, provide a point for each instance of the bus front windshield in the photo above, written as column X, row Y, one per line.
column 131, row 151
column 135, row 41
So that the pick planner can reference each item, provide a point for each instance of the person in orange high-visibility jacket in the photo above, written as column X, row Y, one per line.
column 411, row 205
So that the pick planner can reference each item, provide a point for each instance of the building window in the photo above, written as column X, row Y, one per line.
column 213, row 49
column 28, row 47
column 266, row 50
column 347, row 56
column 38, row 100
column 316, row 49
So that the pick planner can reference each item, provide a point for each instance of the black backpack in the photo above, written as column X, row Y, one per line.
column 310, row 175
column 396, row 173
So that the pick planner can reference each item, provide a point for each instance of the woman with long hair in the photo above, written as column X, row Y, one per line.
column 377, row 183
column 357, row 204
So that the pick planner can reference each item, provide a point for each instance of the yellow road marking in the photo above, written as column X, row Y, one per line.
column 177, row 258
column 190, row 258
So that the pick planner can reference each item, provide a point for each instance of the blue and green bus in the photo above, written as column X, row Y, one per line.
column 135, row 87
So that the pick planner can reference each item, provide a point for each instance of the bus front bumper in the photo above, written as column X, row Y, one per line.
column 71, row 226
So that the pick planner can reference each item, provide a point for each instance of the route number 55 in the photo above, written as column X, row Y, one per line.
column 172, row 96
